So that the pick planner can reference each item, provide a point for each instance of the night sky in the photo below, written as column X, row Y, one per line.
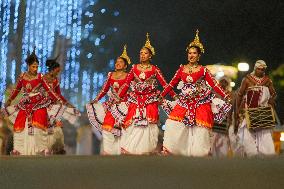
column 230, row 30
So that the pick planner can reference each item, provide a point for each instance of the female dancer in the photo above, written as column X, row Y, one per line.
column 31, row 119
column 57, row 111
column 191, row 119
column 107, row 117
column 140, row 124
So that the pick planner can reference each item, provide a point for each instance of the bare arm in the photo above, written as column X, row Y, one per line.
column 238, row 101
column 272, row 92
column 240, row 94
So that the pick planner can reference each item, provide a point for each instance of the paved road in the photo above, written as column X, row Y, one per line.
column 139, row 172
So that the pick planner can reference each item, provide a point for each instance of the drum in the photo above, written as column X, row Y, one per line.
column 260, row 117
column 222, row 127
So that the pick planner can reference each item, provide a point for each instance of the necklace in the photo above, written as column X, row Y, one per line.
column 192, row 67
column 145, row 66
column 50, row 78
column 30, row 76
column 119, row 74
column 258, row 80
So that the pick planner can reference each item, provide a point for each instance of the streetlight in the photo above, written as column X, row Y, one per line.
column 220, row 74
column 232, row 84
column 243, row 66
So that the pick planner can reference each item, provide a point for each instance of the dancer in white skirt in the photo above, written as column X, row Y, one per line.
column 140, row 125
column 57, row 111
column 256, row 91
column 188, row 127
column 108, row 117
column 30, row 114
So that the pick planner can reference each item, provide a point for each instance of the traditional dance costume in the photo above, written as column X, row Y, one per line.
column 30, row 115
column 187, row 129
column 56, row 112
column 108, row 117
column 255, row 142
column 141, row 130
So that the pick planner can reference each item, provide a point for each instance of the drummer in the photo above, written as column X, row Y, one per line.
column 256, row 90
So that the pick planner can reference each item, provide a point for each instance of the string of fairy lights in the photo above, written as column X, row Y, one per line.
column 48, row 25
column 4, row 31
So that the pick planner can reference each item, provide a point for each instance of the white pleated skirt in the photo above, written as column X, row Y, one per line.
column 253, row 143
column 111, row 144
column 140, row 140
column 34, row 144
column 187, row 141
column 220, row 144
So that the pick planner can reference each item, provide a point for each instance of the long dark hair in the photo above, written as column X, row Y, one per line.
column 51, row 64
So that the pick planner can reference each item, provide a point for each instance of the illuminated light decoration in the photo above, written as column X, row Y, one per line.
column 282, row 137
column 95, row 85
column 243, row 66
column 116, row 13
column 16, row 14
column 100, row 79
column 103, row 11
column 229, row 71
column 44, row 23
column 86, row 83
column 86, row 34
column 89, row 55
column 219, row 74
column 97, row 41
column 103, row 36
column 100, row 83
column 5, row 26
column 62, row 80
column 232, row 84
column 93, row 2
column 111, row 64
column 13, row 71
